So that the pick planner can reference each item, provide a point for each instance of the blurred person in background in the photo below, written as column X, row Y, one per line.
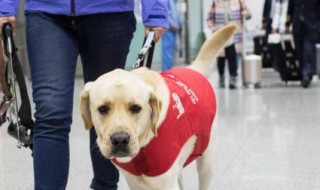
column 275, row 16
column 305, row 19
column 274, row 23
column 223, row 12
column 169, row 38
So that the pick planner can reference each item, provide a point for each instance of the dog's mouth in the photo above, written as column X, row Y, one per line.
column 120, row 151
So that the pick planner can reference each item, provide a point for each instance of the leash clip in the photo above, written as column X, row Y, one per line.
column 148, row 48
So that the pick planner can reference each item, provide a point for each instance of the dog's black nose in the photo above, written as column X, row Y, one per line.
column 120, row 138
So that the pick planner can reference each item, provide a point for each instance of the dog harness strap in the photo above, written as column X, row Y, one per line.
column 191, row 112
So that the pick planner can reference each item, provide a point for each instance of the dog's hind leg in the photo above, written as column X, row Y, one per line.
column 205, row 166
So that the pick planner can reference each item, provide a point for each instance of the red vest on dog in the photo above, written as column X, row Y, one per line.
column 191, row 112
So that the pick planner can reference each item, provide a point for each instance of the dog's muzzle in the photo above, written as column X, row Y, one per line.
column 120, row 144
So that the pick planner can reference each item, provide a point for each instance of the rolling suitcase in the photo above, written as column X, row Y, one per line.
column 251, row 70
column 251, row 65
column 289, row 66
column 261, row 48
column 276, row 54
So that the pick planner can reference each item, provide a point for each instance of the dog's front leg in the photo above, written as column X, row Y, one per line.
column 167, row 181
column 132, row 181
column 161, row 183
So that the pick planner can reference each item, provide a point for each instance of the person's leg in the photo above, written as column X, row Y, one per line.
column 232, row 63
column 298, row 43
column 302, row 45
column 168, row 49
column 298, row 37
column 104, row 41
column 232, row 60
column 52, row 52
column 310, row 41
column 309, row 58
column 221, row 65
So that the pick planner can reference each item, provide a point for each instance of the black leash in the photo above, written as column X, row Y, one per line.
column 20, row 118
column 147, row 48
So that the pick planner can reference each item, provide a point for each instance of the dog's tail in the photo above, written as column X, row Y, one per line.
column 211, row 48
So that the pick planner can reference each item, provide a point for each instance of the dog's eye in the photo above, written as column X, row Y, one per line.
column 135, row 108
column 103, row 110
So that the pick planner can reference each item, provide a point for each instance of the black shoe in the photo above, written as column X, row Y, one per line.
column 305, row 83
column 233, row 82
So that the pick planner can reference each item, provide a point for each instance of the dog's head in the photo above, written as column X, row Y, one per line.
column 124, row 111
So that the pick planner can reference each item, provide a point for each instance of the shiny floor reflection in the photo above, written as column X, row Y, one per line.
column 264, row 139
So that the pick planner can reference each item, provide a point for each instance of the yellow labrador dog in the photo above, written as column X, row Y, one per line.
column 153, row 124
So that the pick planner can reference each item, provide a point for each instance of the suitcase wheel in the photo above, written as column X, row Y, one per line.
column 255, row 85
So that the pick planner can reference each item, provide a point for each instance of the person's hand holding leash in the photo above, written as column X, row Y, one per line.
column 158, row 32
column 10, row 19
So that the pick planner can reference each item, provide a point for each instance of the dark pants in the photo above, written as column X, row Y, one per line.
column 54, row 43
column 306, row 37
column 230, row 55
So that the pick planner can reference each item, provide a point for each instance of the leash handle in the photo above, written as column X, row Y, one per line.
column 150, row 55
column 7, row 33
column 147, row 48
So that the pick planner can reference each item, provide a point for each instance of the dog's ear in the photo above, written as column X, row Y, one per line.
column 156, row 107
column 85, row 107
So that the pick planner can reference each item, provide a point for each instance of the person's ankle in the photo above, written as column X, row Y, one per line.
column 221, row 81
column 305, row 83
column 233, row 82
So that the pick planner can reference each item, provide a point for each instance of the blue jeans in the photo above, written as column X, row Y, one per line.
column 53, row 44
column 168, row 49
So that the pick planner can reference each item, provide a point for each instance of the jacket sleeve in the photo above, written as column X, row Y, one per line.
column 290, row 13
column 155, row 13
column 280, row 15
column 9, row 7
column 245, row 12
column 266, row 11
column 173, row 15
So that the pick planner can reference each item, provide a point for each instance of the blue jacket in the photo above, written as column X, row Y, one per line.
column 154, row 11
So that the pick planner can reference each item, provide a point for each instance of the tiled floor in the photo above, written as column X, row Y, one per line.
column 265, row 139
